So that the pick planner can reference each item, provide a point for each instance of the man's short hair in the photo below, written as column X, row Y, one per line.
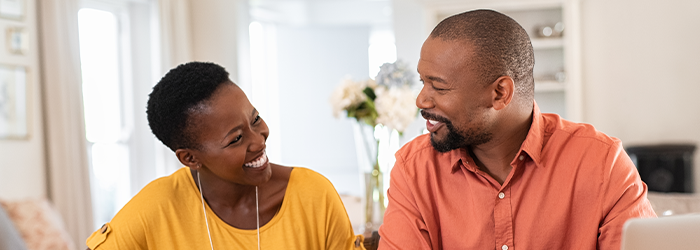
column 502, row 47
column 176, row 96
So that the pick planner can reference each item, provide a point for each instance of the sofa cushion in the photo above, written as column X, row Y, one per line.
column 9, row 236
column 39, row 224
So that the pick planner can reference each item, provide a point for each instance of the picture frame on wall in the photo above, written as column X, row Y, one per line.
column 13, row 102
column 12, row 9
column 17, row 40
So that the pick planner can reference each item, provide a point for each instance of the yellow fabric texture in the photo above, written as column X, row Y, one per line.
column 167, row 214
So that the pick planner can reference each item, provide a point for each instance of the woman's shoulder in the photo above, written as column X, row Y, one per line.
column 305, row 176
column 307, row 182
column 168, row 186
column 165, row 190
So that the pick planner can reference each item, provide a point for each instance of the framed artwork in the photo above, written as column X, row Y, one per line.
column 13, row 102
column 12, row 9
column 17, row 40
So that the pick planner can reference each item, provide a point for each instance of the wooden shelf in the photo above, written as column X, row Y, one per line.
column 547, row 43
column 549, row 86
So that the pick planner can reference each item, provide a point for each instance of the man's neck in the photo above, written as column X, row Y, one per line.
column 495, row 156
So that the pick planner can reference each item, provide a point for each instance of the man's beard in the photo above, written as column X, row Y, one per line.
column 455, row 137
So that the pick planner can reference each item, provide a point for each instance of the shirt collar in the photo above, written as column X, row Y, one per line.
column 535, row 138
column 532, row 146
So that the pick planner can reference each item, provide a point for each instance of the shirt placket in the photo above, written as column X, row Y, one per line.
column 503, row 212
column 503, row 219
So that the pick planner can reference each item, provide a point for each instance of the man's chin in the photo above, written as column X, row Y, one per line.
column 441, row 144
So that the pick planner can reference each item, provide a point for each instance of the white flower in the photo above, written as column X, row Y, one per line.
column 395, row 74
column 396, row 107
column 348, row 94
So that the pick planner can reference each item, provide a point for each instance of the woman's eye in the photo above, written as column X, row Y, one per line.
column 257, row 118
column 236, row 140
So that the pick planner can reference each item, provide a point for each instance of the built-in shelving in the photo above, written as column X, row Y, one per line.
column 547, row 43
column 549, row 86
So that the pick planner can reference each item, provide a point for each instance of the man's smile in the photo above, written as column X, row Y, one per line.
column 433, row 125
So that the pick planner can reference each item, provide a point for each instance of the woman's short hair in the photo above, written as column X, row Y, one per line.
column 177, row 95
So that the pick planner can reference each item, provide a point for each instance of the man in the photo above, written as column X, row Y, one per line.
column 495, row 173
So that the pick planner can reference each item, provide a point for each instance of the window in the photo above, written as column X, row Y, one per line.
column 115, row 82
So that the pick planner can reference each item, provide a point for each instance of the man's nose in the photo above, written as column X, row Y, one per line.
column 424, row 100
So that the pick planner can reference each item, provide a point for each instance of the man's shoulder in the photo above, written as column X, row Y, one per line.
column 419, row 158
column 416, row 147
column 577, row 131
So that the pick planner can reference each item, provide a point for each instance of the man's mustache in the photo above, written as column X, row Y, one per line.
column 429, row 116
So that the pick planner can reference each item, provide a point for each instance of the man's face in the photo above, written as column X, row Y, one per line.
column 453, row 99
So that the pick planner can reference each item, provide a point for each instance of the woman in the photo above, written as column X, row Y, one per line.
column 245, row 202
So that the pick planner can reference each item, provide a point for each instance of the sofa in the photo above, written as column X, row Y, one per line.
column 32, row 224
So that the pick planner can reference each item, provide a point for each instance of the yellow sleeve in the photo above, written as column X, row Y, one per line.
column 119, row 234
column 129, row 229
column 340, row 234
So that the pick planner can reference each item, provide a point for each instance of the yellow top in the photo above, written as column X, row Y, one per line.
column 167, row 214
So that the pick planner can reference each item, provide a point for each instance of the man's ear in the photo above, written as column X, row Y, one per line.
column 187, row 158
column 503, row 92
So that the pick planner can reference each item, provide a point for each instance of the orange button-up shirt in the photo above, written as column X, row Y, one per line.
column 571, row 187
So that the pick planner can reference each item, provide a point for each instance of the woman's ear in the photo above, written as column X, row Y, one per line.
column 187, row 158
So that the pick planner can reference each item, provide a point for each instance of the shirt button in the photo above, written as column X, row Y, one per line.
column 501, row 195
column 504, row 247
column 521, row 157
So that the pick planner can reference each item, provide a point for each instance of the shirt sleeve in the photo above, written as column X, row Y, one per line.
column 624, row 197
column 129, row 228
column 339, row 234
column 118, row 234
column 403, row 226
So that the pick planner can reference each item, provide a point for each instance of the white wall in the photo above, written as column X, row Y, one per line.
column 214, row 32
column 640, row 71
column 312, row 62
column 23, row 171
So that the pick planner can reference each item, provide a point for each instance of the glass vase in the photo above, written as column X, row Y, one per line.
column 369, row 140
column 374, row 199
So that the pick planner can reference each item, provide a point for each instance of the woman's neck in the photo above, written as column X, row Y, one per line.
column 235, row 203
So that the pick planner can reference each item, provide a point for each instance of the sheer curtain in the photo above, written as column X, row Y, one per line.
column 68, row 173
column 175, row 40
column 174, row 47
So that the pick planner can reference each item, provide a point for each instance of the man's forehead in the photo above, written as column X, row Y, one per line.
column 445, row 52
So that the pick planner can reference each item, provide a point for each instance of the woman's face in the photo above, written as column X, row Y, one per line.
column 232, row 137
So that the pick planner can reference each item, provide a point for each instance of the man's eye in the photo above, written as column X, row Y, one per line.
column 257, row 118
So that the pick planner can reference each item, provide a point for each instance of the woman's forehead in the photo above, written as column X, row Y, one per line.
column 228, row 106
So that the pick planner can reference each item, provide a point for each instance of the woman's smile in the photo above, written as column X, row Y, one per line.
column 257, row 162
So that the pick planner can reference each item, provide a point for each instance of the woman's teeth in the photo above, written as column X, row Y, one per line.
column 433, row 122
column 257, row 162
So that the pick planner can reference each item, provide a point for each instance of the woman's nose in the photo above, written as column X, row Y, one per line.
column 257, row 144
